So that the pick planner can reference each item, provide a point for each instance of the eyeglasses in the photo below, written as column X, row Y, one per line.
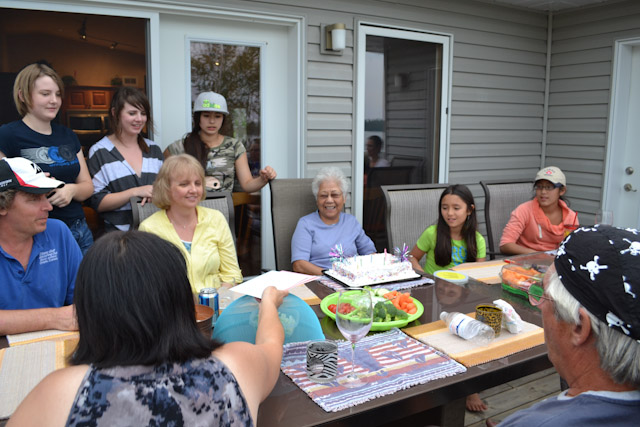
column 540, row 187
column 326, row 196
column 535, row 299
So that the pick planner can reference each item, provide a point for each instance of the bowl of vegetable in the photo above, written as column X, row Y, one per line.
column 391, row 309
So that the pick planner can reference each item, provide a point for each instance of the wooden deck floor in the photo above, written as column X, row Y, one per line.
column 513, row 396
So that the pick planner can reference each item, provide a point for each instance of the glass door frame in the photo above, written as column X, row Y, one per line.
column 364, row 29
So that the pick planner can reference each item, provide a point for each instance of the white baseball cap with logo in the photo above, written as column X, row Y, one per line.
column 210, row 101
column 21, row 174
column 552, row 174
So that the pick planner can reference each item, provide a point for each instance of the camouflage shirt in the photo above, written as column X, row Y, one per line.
column 220, row 162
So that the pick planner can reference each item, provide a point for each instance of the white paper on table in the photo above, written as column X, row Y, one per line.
column 282, row 280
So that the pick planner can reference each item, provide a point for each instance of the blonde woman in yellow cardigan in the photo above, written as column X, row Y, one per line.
column 202, row 234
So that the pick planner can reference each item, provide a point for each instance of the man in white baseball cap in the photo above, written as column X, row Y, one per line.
column 39, row 257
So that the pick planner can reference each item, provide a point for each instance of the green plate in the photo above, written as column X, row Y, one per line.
column 375, row 326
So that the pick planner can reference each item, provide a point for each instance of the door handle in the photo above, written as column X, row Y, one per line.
column 629, row 187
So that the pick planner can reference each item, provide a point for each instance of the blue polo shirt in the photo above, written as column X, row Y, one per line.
column 50, row 277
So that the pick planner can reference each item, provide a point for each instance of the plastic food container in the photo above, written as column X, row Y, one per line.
column 539, row 261
column 519, row 279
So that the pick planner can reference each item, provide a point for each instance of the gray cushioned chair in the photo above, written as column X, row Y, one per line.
column 291, row 199
column 219, row 200
column 500, row 199
column 410, row 210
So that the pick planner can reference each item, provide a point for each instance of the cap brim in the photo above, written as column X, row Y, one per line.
column 41, row 185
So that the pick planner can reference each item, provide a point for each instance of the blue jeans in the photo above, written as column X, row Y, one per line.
column 82, row 234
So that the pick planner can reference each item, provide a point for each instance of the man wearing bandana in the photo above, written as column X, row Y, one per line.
column 591, row 315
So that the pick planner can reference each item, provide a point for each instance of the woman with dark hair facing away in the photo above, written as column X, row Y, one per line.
column 38, row 93
column 454, row 240
column 141, row 359
column 124, row 164
column 222, row 157
column 540, row 224
column 202, row 235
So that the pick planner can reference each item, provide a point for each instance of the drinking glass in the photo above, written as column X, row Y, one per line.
column 604, row 217
column 226, row 294
column 354, row 324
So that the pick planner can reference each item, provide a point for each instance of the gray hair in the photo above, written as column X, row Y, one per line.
column 330, row 173
column 619, row 354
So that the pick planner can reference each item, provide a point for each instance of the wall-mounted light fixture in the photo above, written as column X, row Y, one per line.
column 401, row 80
column 334, row 38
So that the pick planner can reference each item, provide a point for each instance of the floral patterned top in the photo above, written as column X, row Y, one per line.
column 198, row 392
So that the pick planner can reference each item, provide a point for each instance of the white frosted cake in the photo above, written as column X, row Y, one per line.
column 371, row 269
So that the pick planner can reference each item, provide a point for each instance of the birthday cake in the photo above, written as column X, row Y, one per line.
column 363, row 270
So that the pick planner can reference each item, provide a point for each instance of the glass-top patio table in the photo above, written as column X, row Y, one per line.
column 438, row 402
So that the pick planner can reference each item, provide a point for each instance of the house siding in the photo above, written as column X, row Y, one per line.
column 497, row 92
column 581, row 69
column 498, row 76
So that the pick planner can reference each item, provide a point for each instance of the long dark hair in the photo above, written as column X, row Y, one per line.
column 136, row 98
column 194, row 145
column 134, row 304
column 442, row 252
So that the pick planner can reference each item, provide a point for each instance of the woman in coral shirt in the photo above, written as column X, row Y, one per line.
column 540, row 224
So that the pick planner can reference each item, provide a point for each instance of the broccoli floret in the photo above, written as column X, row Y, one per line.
column 379, row 312
column 401, row 314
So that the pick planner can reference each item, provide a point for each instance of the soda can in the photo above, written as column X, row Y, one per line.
column 209, row 297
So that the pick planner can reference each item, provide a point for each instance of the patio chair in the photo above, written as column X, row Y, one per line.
column 373, row 208
column 219, row 200
column 291, row 199
column 500, row 199
column 410, row 210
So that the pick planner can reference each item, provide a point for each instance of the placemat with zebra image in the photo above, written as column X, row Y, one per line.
column 386, row 362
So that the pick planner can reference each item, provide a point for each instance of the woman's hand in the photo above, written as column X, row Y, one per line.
column 267, row 174
column 273, row 295
column 415, row 256
column 61, row 197
column 144, row 191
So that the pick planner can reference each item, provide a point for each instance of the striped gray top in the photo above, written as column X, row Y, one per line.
column 112, row 174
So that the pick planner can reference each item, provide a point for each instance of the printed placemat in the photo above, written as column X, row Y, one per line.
column 386, row 362
column 332, row 284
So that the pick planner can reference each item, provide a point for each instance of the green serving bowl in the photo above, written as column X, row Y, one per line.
column 375, row 326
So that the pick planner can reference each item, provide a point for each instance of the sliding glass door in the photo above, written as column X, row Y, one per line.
column 402, row 117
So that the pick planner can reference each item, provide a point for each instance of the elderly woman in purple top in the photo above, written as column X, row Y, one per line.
column 320, row 231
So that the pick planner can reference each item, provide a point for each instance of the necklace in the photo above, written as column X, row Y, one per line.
column 175, row 223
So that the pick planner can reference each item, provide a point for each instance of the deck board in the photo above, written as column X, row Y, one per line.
column 505, row 399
